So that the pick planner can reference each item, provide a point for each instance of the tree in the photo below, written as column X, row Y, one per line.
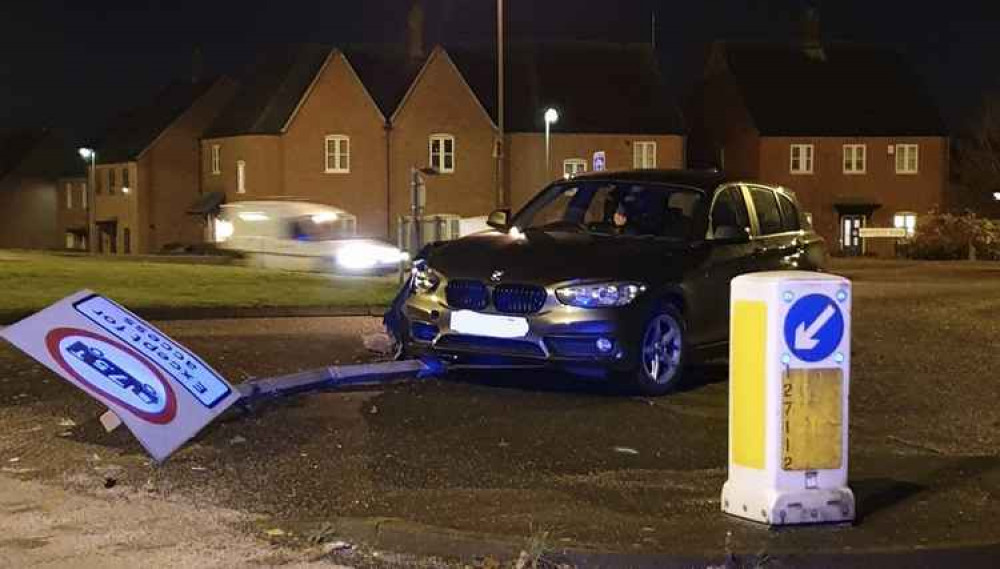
column 976, row 159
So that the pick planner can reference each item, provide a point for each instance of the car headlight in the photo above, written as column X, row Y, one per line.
column 599, row 295
column 424, row 279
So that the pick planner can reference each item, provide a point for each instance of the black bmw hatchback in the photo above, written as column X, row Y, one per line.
column 620, row 274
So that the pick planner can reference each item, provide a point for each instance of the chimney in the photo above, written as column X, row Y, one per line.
column 812, row 43
column 197, row 65
column 415, row 31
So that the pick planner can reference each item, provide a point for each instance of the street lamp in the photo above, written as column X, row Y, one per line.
column 89, row 154
column 551, row 117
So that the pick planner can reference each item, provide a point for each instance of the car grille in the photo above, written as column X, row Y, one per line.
column 471, row 295
column 497, row 346
column 518, row 299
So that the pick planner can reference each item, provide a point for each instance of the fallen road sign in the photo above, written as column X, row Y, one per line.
column 159, row 389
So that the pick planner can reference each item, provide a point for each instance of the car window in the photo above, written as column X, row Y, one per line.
column 730, row 210
column 615, row 208
column 789, row 213
column 768, row 215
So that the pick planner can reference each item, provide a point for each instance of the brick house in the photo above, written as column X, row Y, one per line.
column 304, row 125
column 147, row 170
column 42, row 192
column 848, row 127
column 609, row 97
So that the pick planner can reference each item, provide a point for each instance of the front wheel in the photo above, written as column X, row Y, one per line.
column 662, row 353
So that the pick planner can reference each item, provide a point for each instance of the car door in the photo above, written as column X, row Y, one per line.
column 776, row 242
column 729, row 254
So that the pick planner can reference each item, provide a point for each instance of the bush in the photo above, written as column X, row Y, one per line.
column 948, row 236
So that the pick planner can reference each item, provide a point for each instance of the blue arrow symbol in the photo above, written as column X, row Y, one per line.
column 805, row 336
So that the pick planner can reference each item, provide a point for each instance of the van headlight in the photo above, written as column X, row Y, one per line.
column 424, row 279
column 600, row 295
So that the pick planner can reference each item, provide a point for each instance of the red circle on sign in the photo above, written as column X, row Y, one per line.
column 56, row 335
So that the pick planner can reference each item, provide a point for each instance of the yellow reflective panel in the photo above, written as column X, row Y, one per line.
column 812, row 419
column 749, row 341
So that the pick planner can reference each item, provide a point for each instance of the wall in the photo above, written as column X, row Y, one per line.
column 441, row 102
column 264, row 171
column 880, row 183
column 337, row 104
column 28, row 206
column 125, row 209
column 525, row 167
column 74, row 217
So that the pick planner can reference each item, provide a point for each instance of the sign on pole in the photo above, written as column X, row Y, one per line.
column 882, row 232
column 789, row 383
column 600, row 162
column 161, row 391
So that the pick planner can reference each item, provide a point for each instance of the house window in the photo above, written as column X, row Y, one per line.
column 216, row 159
column 125, row 181
column 97, row 183
column 83, row 196
column 241, row 177
column 905, row 220
column 644, row 154
column 854, row 158
column 338, row 154
column 111, row 181
column 442, row 150
column 573, row 166
column 907, row 158
column 127, row 240
column 801, row 159
column 69, row 195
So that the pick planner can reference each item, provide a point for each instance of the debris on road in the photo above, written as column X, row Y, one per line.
column 275, row 532
column 379, row 343
column 67, row 423
column 626, row 450
column 110, row 482
column 238, row 440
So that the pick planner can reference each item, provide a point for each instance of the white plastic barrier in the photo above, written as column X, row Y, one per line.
column 789, row 378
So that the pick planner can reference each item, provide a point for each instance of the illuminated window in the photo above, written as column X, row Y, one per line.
column 854, row 158
column 801, row 161
column 216, row 159
column 338, row 154
column 574, row 166
column 644, row 154
column 241, row 177
column 907, row 158
column 442, row 153
column 125, row 180
column 905, row 220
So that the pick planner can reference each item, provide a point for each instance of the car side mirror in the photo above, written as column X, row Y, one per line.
column 731, row 234
column 499, row 219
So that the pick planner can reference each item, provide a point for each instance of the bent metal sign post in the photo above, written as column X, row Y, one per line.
column 161, row 391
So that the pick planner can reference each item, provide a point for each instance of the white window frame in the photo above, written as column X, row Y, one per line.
column 805, row 155
column 241, row 177
column 573, row 166
column 855, row 159
column 69, row 195
column 216, row 159
column 644, row 154
column 903, row 153
column 437, row 162
column 906, row 220
column 338, row 159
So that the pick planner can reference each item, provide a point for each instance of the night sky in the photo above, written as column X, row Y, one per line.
column 75, row 64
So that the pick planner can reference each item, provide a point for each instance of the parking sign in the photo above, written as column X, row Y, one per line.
column 161, row 391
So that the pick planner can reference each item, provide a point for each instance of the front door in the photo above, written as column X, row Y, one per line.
column 851, row 243
column 107, row 240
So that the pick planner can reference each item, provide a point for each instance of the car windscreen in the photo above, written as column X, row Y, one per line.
column 615, row 208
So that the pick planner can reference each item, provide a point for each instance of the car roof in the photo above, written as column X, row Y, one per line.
column 706, row 180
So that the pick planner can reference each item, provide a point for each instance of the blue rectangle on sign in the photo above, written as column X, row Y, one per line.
column 184, row 367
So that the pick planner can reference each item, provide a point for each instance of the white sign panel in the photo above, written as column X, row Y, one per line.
column 600, row 161
column 163, row 392
column 889, row 232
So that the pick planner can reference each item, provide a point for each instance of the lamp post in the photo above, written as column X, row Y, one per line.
column 90, row 155
column 551, row 117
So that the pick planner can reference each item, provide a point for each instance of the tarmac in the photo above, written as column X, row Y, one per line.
column 483, row 467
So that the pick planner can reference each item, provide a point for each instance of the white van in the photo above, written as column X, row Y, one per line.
column 302, row 236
